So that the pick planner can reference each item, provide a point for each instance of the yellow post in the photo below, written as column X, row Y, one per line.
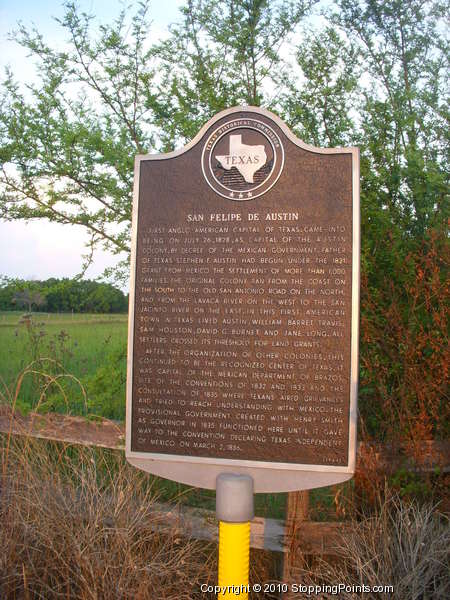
column 234, row 509
column 234, row 552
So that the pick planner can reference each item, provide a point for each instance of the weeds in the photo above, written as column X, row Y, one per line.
column 85, row 527
column 50, row 376
column 402, row 544
column 80, row 347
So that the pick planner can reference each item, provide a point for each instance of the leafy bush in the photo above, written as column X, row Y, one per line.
column 107, row 387
column 404, row 352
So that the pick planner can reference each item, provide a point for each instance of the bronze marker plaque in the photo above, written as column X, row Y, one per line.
column 244, row 305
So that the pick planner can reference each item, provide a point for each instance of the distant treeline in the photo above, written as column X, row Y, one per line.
column 61, row 295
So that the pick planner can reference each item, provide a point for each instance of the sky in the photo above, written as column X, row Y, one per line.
column 40, row 249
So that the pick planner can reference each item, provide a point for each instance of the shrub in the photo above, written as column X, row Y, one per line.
column 403, row 544
column 107, row 387
column 404, row 350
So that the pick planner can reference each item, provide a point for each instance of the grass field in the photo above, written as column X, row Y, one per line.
column 89, row 338
column 79, row 343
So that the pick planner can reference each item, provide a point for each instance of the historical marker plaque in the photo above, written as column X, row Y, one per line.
column 244, row 307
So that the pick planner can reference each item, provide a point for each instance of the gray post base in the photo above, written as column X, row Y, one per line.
column 234, row 498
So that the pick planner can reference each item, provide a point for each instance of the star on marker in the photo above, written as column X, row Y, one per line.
column 241, row 195
column 231, row 194
column 249, row 195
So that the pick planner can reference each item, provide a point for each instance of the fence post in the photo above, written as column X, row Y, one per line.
column 297, row 508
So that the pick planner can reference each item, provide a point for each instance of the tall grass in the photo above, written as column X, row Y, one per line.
column 403, row 544
column 80, row 343
column 83, row 525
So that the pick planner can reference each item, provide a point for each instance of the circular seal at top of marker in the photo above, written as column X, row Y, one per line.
column 242, row 159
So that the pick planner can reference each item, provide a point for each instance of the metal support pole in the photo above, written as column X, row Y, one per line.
column 234, row 510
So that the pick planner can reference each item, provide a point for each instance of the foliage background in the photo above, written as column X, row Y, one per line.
column 62, row 295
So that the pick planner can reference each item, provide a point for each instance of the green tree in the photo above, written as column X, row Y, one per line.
column 62, row 295
column 8, row 287
column 104, row 298
column 403, row 136
column 67, row 145
column 28, row 298
column 320, row 103
column 224, row 53
column 404, row 113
